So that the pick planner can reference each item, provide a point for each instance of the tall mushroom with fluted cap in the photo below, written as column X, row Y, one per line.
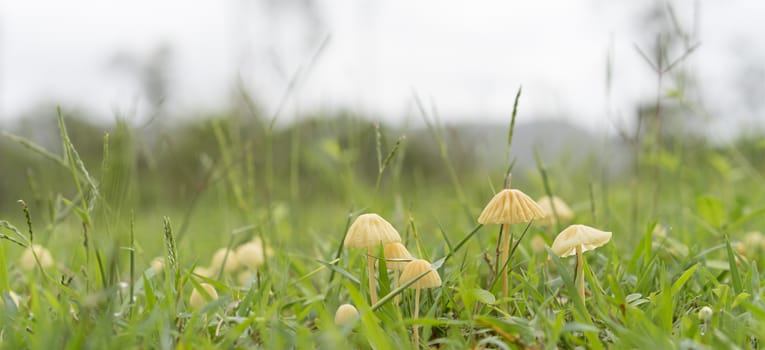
column 429, row 280
column 370, row 231
column 396, row 258
column 555, row 210
column 577, row 239
column 509, row 207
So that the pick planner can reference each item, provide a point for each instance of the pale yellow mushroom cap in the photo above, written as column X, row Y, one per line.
column 561, row 208
column 579, row 235
column 205, row 271
column 345, row 314
column 538, row 244
column 158, row 264
column 416, row 268
column 244, row 277
column 396, row 251
column 510, row 207
column 370, row 230
column 251, row 254
column 231, row 260
column 197, row 299
column 27, row 260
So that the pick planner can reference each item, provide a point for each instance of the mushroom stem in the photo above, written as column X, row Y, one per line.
column 372, row 285
column 397, row 298
column 505, row 256
column 416, row 315
column 579, row 275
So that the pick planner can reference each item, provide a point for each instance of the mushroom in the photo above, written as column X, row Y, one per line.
column 197, row 299
column 345, row 314
column 32, row 255
column 158, row 264
column 226, row 259
column 370, row 231
column 251, row 254
column 396, row 258
column 556, row 210
column 508, row 207
column 577, row 239
column 429, row 280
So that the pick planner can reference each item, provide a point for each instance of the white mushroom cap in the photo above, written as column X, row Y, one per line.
column 370, row 230
column 396, row 251
column 197, row 299
column 27, row 260
column 345, row 314
column 416, row 268
column 579, row 235
column 561, row 208
column 510, row 207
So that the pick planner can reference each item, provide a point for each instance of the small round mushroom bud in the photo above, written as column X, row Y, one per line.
column 231, row 263
column 158, row 264
column 705, row 314
column 345, row 314
column 27, row 260
column 553, row 206
column 198, row 299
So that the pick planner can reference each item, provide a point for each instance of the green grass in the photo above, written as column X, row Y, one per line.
column 644, row 289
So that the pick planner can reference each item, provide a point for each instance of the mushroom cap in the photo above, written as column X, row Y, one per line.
column 251, row 254
column 345, row 314
column 220, row 255
column 197, row 299
column 579, row 235
column 561, row 208
column 158, row 264
column 396, row 251
column 27, row 260
column 370, row 230
column 510, row 207
column 416, row 268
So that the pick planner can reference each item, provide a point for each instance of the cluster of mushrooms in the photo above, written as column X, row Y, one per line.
column 508, row 207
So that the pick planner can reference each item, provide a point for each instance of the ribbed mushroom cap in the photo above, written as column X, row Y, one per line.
column 370, row 230
column 564, row 211
column 251, row 254
column 198, row 300
column 345, row 313
column 224, row 254
column 396, row 251
column 510, row 207
column 27, row 260
column 579, row 235
column 416, row 268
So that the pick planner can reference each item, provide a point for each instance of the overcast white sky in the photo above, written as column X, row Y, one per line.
column 469, row 58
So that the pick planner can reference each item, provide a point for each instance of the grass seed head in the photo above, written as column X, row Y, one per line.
column 345, row 314
column 510, row 207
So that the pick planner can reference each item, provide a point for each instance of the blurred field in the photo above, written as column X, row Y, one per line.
column 682, row 211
